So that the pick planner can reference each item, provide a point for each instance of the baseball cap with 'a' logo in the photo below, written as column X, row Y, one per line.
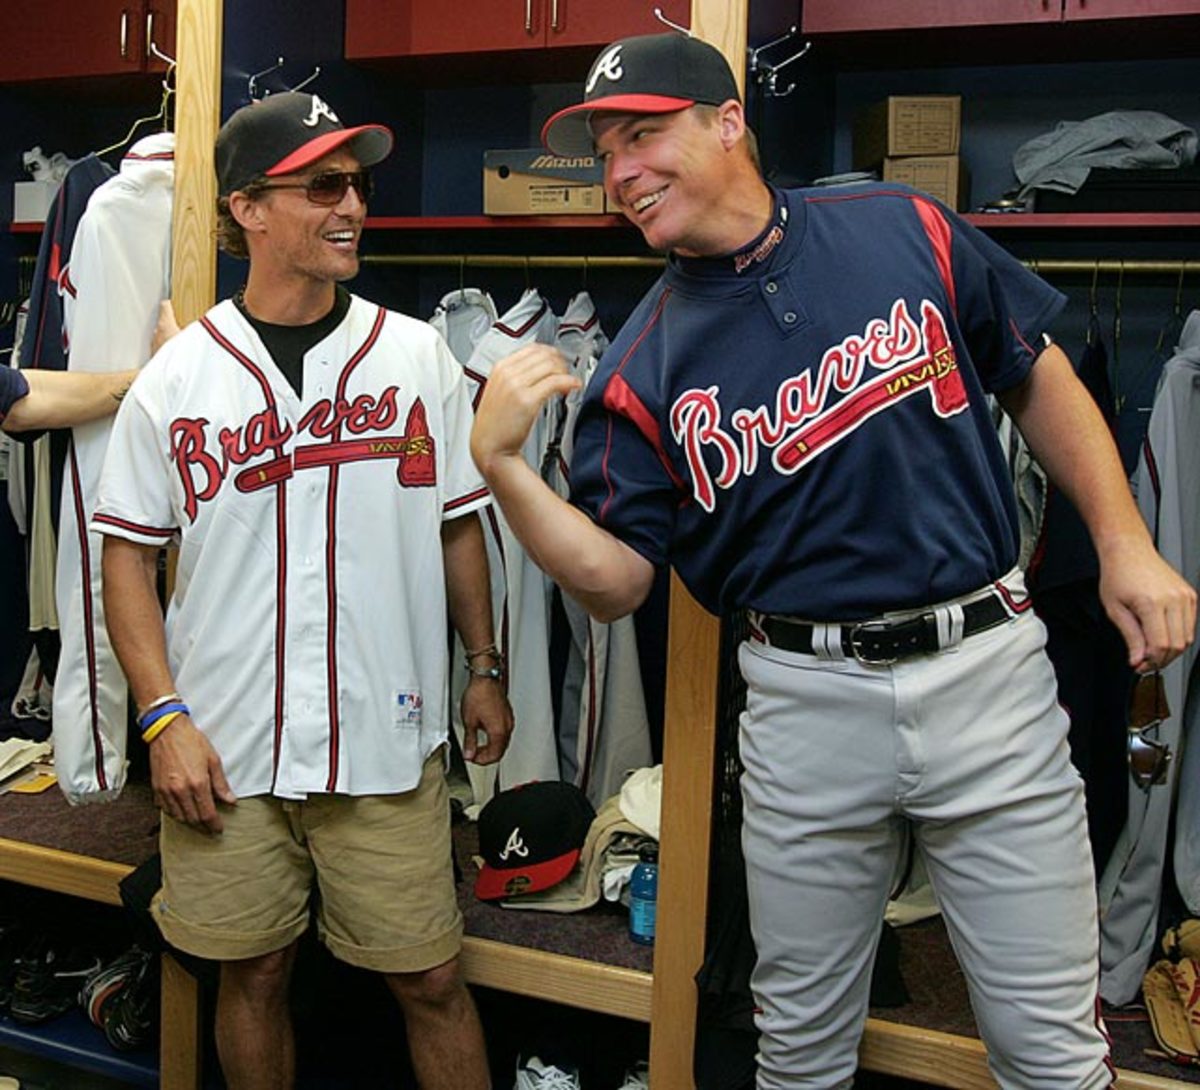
column 530, row 838
column 284, row 133
column 647, row 74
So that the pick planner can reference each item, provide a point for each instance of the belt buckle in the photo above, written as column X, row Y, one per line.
column 861, row 653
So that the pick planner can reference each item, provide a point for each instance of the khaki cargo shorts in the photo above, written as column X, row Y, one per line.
column 381, row 863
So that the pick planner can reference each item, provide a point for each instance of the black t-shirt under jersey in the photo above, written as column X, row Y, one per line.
column 288, row 343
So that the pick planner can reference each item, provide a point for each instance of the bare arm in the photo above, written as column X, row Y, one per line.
column 468, row 592
column 185, row 770
column 62, row 399
column 601, row 572
column 1151, row 605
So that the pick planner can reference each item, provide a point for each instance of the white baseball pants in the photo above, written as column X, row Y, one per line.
column 970, row 746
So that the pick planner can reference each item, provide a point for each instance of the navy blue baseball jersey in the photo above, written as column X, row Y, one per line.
column 13, row 387
column 801, row 428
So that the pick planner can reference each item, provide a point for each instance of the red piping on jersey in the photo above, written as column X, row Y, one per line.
column 280, row 546
column 89, row 632
column 134, row 527
column 331, row 614
column 619, row 398
column 67, row 284
column 156, row 157
column 502, row 328
column 583, row 327
column 480, row 381
column 1020, row 339
column 462, row 501
column 940, row 238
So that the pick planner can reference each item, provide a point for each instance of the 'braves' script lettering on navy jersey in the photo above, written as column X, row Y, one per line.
column 804, row 419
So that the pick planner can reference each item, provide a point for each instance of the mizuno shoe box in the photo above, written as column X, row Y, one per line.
column 532, row 182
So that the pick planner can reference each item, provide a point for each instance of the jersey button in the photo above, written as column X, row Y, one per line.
column 790, row 318
column 770, row 287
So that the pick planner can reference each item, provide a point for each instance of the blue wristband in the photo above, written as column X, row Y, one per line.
column 155, row 714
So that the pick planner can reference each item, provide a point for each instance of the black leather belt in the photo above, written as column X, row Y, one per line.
column 882, row 642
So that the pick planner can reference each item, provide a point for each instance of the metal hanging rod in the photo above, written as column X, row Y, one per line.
column 1134, row 267
column 515, row 261
column 1109, row 265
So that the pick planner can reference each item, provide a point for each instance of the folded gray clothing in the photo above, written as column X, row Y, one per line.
column 1124, row 139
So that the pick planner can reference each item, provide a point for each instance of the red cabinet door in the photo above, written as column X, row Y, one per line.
column 158, row 27
column 59, row 38
column 414, row 28
column 835, row 16
column 597, row 22
column 1129, row 9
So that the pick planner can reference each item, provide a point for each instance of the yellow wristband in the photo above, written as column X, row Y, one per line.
column 158, row 726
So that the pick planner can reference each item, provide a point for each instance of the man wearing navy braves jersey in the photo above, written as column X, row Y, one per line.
column 308, row 452
column 33, row 400
column 794, row 417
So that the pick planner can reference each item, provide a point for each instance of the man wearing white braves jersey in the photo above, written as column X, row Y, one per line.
column 795, row 419
column 307, row 450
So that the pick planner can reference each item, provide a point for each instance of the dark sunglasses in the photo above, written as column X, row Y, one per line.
column 330, row 187
column 1149, row 758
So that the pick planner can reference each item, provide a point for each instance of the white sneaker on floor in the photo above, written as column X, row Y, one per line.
column 637, row 1077
column 532, row 1074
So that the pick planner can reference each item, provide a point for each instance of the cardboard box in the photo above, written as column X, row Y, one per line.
column 941, row 176
column 32, row 200
column 907, row 125
column 531, row 182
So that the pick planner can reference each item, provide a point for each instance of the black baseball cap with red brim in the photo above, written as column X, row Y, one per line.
column 286, row 132
column 530, row 838
column 648, row 74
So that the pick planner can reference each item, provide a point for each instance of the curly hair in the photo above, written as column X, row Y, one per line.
column 230, row 236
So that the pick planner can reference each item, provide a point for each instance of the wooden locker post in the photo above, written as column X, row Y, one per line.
column 198, row 45
column 689, row 743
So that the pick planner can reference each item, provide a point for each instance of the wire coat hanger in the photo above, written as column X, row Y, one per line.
column 160, row 115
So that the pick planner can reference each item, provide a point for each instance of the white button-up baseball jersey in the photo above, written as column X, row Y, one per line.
column 307, row 629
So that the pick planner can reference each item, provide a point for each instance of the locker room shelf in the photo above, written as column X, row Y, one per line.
column 73, row 1041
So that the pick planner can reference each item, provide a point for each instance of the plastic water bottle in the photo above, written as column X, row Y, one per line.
column 643, row 896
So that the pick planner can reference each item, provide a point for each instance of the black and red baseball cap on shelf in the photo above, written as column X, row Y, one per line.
column 648, row 74
column 284, row 133
column 530, row 838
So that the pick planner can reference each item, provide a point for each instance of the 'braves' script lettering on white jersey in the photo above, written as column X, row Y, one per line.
column 202, row 472
column 802, row 423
